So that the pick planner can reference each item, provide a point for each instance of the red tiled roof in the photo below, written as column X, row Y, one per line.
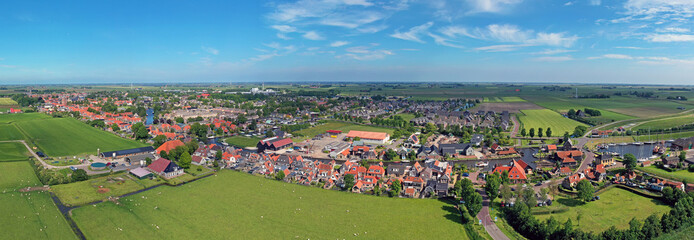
column 197, row 159
column 169, row 145
column 159, row 165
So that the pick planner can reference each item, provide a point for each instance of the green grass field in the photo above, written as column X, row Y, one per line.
column 16, row 175
column 667, row 122
column 77, row 193
column 13, row 118
column 9, row 132
column 13, row 151
column 234, row 205
column 342, row 126
column 545, row 118
column 7, row 101
column 676, row 175
column 68, row 137
column 615, row 208
column 242, row 141
column 30, row 215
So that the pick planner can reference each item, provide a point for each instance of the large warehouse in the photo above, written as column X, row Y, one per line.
column 370, row 137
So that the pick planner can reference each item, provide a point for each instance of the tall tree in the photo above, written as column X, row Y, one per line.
column 539, row 132
column 585, row 190
column 549, row 132
column 629, row 161
column 349, row 182
column 523, row 132
column 532, row 132
column 395, row 188
column 185, row 160
column 492, row 186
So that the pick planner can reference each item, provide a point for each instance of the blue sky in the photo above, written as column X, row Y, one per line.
column 578, row 41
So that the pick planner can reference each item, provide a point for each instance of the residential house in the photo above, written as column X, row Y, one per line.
column 165, row 168
column 571, row 181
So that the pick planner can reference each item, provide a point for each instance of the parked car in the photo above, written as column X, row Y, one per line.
column 73, row 168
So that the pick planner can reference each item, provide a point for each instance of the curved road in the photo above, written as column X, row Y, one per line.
column 48, row 166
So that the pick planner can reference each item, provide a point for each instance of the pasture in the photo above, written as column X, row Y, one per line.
column 31, row 215
column 615, row 208
column 92, row 190
column 16, row 175
column 258, row 208
column 69, row 137
column 242, row 141
column 13, row 151
column 546, row 118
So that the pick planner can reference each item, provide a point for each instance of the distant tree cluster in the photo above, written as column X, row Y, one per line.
column 25, row 101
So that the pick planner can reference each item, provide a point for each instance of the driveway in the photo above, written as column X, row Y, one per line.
column 487, row 221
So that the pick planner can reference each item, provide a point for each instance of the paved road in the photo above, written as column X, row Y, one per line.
column 514, row 131
column 487, row 221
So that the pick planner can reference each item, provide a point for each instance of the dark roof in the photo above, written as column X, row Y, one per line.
column 172, row 167
column 128, row 151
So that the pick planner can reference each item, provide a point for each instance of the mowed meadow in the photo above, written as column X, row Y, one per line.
column 545, row 118
column 60, row 136
column 235, row 205
column 31, row 215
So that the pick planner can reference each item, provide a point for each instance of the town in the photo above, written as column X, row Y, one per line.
column 484, row 155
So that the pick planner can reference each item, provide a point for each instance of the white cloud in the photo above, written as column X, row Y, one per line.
column 358, row 2
column 673, row 30
column 276, row 50
column 492, row 6
column 210, row 50
column 414, row 34
column 513, row 34
column 372, row 29
column 568, row 3
column 647, row 60
column 670, row 38
column 501, row 48
column 553, row 51
column 595, row 2
column 365, row 53
column 341, row 13
column 312, row 35
column 631, row 47
column 443, row 41
column 455, row 31
column 507, row 33
column 554, row 39
column 617, row 56
column 284, row 28
column 339, row 43
column 283, row 36
column 554, row 59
